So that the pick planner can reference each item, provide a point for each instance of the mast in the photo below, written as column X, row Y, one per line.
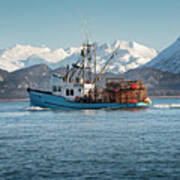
column 67, row 73
column 95, row 77
column 84, row 70
column 89, row 61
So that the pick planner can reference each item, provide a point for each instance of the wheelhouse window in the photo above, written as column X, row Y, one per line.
column 59, row 89
column 72, row 92
column 54, row 89
column 67, row 92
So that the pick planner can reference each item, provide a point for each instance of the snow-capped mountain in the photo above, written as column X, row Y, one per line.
column 130, row 55
column 168, row 59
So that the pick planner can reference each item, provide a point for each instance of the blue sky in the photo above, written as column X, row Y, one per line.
column 58, row 23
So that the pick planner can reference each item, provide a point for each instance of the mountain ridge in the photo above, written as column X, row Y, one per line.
column 130, row 55
column 15, row 84
column 168, row 59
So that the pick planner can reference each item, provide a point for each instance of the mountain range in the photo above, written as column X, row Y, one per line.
column 15, row 83
column 129, row 56
column 25, row 66
column 168, row 59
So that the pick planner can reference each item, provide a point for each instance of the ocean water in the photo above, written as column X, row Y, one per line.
column 43, row 144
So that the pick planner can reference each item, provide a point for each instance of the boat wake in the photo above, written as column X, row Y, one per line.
column 167, row 106
column 36, row 108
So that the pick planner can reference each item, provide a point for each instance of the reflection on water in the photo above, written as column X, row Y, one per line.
column 13, row 114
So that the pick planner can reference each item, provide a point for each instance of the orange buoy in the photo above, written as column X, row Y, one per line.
column 133, row 86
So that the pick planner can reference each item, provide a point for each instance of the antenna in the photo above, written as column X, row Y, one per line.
column 84, row 32
column 87, row 34
column 90, row 32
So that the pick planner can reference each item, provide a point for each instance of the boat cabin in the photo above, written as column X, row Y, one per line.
column 70, row 90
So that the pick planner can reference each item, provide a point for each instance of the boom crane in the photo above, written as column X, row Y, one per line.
column 74, row 69
column 104, row 67
column 97, row 77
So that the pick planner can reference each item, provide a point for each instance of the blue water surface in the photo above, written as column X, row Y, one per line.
column 43, row 144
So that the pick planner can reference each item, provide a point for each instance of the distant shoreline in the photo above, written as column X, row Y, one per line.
column 164, row 97
column 27, row 99
column 14, row 100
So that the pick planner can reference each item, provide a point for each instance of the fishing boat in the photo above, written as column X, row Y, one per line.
column 81, row 87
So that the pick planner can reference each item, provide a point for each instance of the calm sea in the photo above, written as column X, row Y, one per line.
column 42, row 144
